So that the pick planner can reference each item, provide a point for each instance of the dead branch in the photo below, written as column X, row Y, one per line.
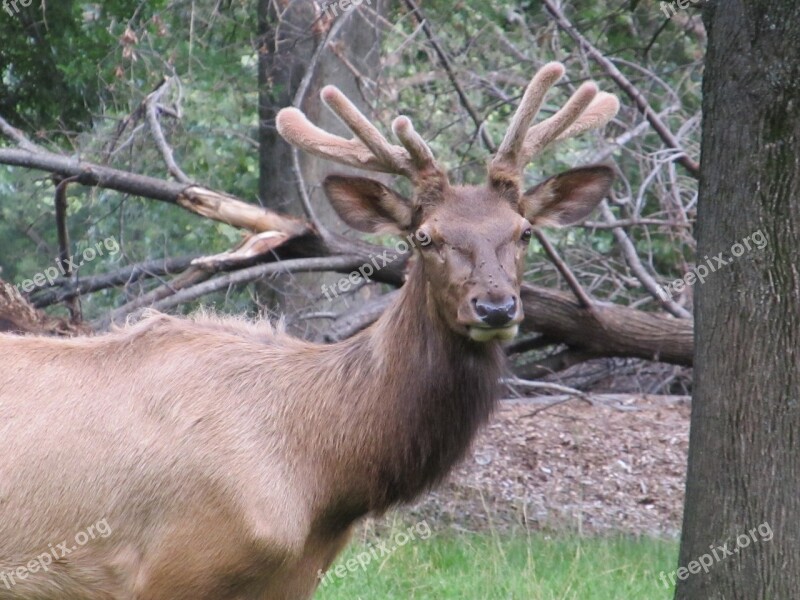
column 18, row 316
column 64, row 288
column 626, row 86
column 198, row 199
column 609, row 330
column 151, row 105
column 299, row 265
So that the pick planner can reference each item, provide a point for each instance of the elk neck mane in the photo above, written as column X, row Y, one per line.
column 433, row 387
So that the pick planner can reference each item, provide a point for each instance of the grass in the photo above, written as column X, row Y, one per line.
column 489, row 566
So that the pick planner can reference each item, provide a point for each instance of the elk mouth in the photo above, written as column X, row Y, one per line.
column 480, row 333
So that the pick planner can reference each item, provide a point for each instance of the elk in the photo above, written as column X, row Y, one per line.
column 230, row 460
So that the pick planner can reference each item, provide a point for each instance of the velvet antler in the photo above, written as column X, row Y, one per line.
column 586, row 109
column 368, row 150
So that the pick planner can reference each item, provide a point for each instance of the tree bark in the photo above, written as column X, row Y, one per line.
column 744, row 448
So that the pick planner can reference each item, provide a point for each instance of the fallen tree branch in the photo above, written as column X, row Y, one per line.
column 197, row 199
column 64, row 288
column 18, row 316
column 609, row 330
column 299, row 265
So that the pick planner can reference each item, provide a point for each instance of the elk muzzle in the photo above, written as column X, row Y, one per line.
column 496, row 319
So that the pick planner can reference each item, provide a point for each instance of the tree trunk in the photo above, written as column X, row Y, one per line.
column 288, row 49
column 744, row 452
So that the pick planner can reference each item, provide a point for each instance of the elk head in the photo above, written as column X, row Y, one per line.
column 474, row 237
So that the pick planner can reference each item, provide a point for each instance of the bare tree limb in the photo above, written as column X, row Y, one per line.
column 197, row 199
column 152, row 110
column 64, row 252
column 625, row 85
column 18, row 316
column 197, row 290
column 64, row 289
column 17, row 136
column 639, row 270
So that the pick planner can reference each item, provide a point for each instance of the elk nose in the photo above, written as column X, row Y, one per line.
column 496, row 314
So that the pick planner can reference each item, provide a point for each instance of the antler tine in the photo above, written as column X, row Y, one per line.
column 421, row 154
column 368, row 150
column 586, row 109
column 603, row 108
column 529, row 106
column 547, row 131
column 296, row 129
column 393, row 157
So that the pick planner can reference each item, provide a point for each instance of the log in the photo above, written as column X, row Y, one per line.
column 608, row 329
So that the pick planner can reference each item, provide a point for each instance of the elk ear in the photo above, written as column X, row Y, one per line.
column 567, row 198
column 368, row 205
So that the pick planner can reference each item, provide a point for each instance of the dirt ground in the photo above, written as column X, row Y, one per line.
column 618, row 464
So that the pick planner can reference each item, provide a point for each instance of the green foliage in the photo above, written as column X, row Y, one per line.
column 58, row 59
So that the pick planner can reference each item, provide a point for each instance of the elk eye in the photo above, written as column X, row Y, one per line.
column 527, row 235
